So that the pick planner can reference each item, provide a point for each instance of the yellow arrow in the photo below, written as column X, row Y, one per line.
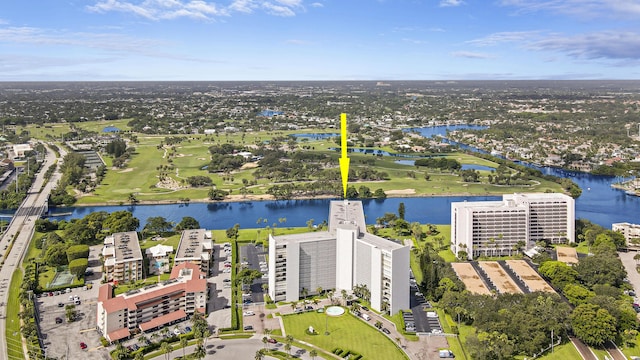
column 344, row 160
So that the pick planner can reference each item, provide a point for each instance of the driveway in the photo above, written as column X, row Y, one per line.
column 630, row 266
column 253, row 255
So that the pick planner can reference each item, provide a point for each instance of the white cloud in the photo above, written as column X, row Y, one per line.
column 278, row 10
column 290, row 3
column 600, row 45
column 580, row 8
column 504, row 37
column 245, row 6
column 317, row 5
column 414, row 41
column 472, row 55
column 162, row 9
column 450, row 3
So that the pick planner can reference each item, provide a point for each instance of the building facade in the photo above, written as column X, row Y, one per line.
column 122, row 257
column 339, row 259
column 499, row 228
column 196, row 247
column 631, row 232
column 153, row 306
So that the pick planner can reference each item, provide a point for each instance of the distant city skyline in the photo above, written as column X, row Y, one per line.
column 84, row 40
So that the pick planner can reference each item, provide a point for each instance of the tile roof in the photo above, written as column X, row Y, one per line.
column 164, row 319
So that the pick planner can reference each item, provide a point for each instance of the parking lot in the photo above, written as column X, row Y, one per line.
column 253, row 255
column 422, row 314
column 220, row 289
column 62, row 338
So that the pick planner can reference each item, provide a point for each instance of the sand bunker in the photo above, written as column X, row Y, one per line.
column 401, row 192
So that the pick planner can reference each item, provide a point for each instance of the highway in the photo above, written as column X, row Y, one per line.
column 23, row 222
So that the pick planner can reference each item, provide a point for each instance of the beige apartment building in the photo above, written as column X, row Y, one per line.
column 196, row 247
column 630, row 232
column 122, row 257
column 154, row 306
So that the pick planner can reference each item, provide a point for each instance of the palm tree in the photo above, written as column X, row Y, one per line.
column 636, row 257
column 167, row 348
column 139, row 356
column 319, row 290
column 142, row 340
column 165, row 331
column 289, row 339
column 287, row 348
column 154, row 336
column 259, row 354
column 205, row 335
column 313, row 353
column 264, row 341
column 184, row 342
column 200, row 352
column 304, row 292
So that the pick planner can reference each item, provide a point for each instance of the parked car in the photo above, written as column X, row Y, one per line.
column 248, row 313
column 248, row 328
column 176, row 331
column 60, row 305
column 386, row 331
column 364, row 308
column 188, row 329
column 58, row 320
column 83, row 346
column 226, row 280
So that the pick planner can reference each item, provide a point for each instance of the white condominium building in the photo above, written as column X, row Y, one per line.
column 494, row 228
column 196, row 247
column 630, row 231
column 122, row 257
column 341, row 258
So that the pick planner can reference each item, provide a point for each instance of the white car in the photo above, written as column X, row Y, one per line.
column 248, row 313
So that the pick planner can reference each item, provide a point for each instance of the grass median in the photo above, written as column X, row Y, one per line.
column 13, row 336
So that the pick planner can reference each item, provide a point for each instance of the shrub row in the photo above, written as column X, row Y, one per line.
column 350, row 354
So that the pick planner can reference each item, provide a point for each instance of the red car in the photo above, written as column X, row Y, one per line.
column 83, row 346
column 272, row 341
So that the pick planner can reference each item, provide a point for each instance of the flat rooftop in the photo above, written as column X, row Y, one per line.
column 346, row 212
column 380, row 243
column 192, row 243
column 310, row 236
column 126, row 246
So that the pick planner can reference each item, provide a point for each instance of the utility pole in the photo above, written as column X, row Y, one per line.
column 552, row 341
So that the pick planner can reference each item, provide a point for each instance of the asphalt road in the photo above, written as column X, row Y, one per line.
column 22, row 222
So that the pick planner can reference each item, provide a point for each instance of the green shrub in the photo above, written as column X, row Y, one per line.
column 104, row 341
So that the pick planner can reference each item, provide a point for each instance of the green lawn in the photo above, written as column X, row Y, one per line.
column 563, row 352
column 345, row 332
column 13, row 336
column 141, row 173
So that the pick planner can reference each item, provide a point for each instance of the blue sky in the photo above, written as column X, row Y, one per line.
column 318, row 39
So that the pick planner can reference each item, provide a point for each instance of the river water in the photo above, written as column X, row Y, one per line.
column 599, row 203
